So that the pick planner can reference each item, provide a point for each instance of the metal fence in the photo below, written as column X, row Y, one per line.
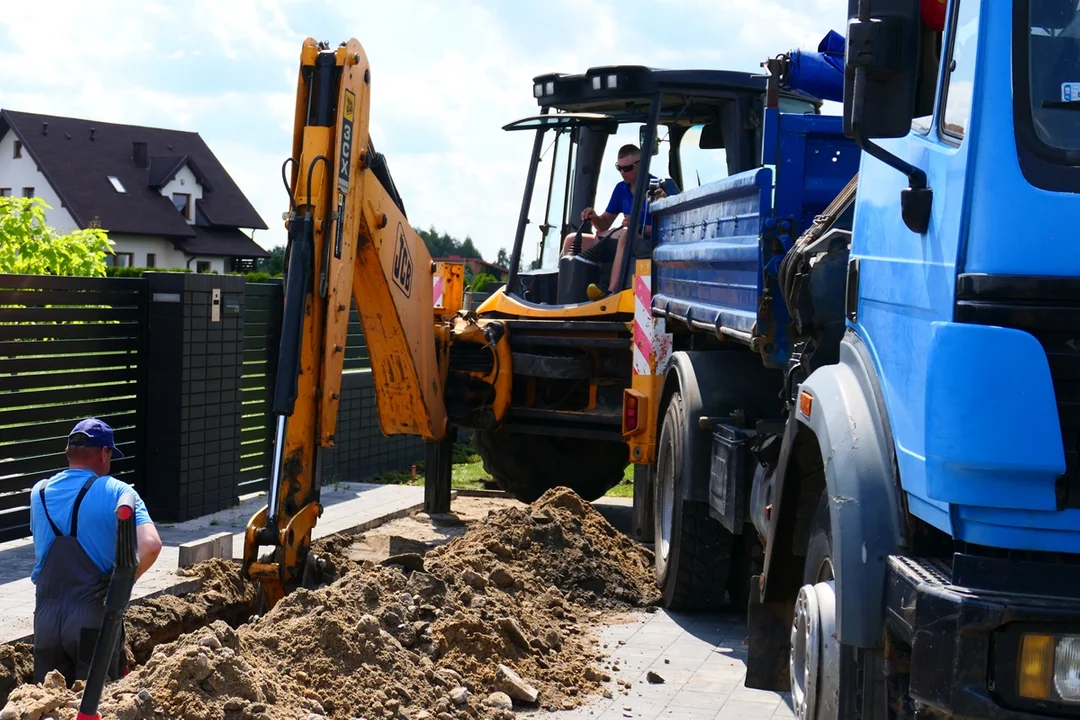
column 74, row 347
column 69, row 348
column 262, row 321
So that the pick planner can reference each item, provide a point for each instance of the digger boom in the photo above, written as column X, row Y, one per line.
column 348, row 239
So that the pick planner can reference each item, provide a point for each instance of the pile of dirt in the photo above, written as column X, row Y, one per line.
column 493, row 619
column 224, row 595
column 16, row 667
column 150, row 622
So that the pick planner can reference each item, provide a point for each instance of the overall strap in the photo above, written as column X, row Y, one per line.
column 78, row 503
column 56, row 530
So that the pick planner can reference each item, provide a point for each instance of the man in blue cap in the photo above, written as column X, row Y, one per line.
column 73, row 521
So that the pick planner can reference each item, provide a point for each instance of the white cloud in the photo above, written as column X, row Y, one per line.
column 445, row 77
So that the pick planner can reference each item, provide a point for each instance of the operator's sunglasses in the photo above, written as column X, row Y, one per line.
column 626, row 168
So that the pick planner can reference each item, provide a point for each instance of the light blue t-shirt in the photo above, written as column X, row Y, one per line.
column 97, row 515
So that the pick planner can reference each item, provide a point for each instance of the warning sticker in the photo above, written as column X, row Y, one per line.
column 1070, row 92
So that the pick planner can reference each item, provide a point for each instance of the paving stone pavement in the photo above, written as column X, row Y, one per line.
column 702, row 660
column 347, row 507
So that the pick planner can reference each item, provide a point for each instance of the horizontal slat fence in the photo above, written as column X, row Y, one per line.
column 70, row 348
column 262, row 323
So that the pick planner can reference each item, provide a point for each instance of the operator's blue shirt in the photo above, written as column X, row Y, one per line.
column 97, row 516
column 622, row 201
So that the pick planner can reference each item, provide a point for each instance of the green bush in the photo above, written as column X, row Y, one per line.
column 138, row 271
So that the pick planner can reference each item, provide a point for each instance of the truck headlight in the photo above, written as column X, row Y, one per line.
column 1049, row 667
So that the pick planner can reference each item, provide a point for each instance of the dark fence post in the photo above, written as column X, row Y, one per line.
column 193, row 422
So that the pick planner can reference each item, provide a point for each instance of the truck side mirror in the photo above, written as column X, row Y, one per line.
column 881, row 74
column 881, row 68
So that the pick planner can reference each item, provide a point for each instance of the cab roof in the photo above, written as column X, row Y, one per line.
column 627, row 90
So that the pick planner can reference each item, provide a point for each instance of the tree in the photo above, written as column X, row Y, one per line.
column 30, row 247
column 502, row 259
column 441, row 245
column 275, row 264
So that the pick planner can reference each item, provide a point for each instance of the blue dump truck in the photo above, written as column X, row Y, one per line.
column 871, row 418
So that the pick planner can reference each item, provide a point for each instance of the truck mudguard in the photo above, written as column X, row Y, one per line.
column 846, row 413
column 715, row 384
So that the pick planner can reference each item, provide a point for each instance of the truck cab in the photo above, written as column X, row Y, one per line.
column 870, row 413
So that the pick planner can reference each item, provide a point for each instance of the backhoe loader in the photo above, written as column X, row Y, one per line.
column 558, row 389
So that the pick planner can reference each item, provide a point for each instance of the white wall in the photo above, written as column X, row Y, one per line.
column 17, row 173
column 184, row 182
column 167, row 256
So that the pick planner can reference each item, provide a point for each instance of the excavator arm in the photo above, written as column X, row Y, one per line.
column 348, row 238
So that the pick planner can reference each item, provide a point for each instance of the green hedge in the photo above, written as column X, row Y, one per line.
column 254, row 277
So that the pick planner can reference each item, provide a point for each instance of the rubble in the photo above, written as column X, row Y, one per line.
column 500, row 612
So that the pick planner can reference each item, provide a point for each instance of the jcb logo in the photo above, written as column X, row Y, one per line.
column 403, row 269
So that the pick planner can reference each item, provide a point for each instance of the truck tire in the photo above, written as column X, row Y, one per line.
column 693, row 551
column 857, row 688
column 527, row 466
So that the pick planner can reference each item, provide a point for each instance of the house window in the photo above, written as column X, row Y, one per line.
column 202, row 266
column 121, row 259
column 117, row 185
column 182, row 201
column 5, row 192
column 151, row 260
column 28, row 192
column 18, row 149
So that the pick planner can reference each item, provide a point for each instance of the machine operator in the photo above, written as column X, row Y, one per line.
column 604, row 246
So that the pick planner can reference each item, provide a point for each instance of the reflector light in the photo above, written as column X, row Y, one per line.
column 806, row 403
column 1036, row 666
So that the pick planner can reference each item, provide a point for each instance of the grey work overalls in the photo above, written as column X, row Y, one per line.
column 70, row 605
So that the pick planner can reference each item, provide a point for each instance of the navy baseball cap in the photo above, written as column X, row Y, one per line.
column 98, row 434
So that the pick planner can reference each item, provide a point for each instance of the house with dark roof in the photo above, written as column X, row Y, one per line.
column 163, row 197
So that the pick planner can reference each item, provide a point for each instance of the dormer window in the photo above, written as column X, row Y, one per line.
column 117, row 185
column 182, row 201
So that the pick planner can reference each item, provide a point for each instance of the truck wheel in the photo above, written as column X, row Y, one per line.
column 829, row 680
column 693, row 551
column 527, row 466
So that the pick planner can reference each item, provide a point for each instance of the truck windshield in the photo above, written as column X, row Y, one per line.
column 1052, row 30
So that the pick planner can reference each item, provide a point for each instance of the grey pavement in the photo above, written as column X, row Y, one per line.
column 702, row 660
column 347, row 507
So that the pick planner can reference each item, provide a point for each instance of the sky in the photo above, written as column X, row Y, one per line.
column 446, row 76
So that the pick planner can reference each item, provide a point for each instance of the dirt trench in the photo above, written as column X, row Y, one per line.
column 494, row 620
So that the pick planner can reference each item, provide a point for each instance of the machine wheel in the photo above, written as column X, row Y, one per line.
column 527, row 466
column 693, row 551
column 829, row 680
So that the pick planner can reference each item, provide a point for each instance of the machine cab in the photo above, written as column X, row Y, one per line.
column 692, row 127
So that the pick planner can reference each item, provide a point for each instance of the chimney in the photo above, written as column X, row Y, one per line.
column 91, row 134
column 138, row 154
column 44, row 128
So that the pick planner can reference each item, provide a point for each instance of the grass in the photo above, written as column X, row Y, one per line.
column 468, row 473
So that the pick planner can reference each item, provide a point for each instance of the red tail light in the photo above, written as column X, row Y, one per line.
column 630, row 408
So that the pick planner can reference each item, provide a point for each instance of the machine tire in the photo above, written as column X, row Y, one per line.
column 527, row 466
column 693, row 561
column 862, row 692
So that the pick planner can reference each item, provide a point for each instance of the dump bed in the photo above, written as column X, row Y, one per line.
column 718, row 246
